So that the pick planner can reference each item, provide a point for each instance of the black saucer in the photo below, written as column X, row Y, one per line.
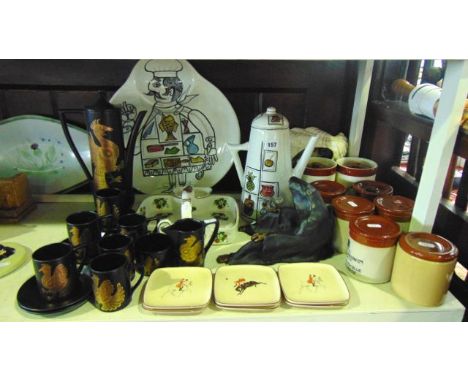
column 29, row 298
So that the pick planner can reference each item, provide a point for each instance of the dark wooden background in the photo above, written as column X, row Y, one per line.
column 308, row 93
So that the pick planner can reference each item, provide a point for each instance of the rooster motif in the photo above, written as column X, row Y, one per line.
column 74, row 236
column 54, row 281
column 108, row 297
column 104, row 153
column 190, row 249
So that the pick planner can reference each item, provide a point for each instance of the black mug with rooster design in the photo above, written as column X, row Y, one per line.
column 121, row 244
column 108, row 207
column 57, row 275
column 112, row 289
column 84, row 231
column 188, row 237
column 152, row 251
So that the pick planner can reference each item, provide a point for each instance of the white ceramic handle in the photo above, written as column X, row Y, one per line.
column 234, row 150
column 163, row 224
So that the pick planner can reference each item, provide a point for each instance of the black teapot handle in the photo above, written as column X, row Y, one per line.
column 63, row 120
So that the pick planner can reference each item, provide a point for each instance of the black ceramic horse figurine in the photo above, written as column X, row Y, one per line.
column 302, row 233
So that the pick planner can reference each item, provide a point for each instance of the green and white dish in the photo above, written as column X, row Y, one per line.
column 36, row 146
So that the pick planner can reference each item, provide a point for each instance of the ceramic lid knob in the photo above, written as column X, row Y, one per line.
column 270, row 120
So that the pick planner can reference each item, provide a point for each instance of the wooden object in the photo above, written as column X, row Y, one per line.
column 15, row 198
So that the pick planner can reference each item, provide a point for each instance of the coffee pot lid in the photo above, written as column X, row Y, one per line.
column 102, row 104
column 270, row 120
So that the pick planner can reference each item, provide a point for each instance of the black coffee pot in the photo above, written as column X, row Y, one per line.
column 112, row 163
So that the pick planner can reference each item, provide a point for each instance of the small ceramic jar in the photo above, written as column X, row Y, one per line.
column 398, row 208
column 350, row 170
column 347, row 208
column 423, row 268
column 372, row 242
column 319, row 169
column 329, row 189
column 370, row 189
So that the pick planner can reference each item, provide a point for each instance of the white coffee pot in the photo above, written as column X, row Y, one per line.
column 268, row 165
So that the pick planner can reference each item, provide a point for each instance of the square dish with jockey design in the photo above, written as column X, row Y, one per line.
column 246, row 286
column 312, row 284
column 178, row 288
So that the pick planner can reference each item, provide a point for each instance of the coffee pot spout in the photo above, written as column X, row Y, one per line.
column 302, row 163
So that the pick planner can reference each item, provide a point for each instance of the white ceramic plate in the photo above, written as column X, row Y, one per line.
column 178, row 288
column 186, row 128
column 220, row 206
column 312, row 284
column 37, row 146
column 246, row 285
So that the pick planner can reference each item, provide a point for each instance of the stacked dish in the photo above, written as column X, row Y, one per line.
column 312, row 285
column 178, row 290
column 246, row 287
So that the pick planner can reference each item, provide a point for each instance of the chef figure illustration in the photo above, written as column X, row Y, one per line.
column 175, row 139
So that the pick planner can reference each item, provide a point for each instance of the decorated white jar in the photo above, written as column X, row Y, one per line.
column 396, row 207
column 372, row 242
column 350, row 170
column 347, row 208
column 423, row 268
column 319, row 169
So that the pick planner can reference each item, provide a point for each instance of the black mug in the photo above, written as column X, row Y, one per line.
column 188, row 238
column 83, row 233
column 56, row 271
column 112, row 289
column 109, row 208
column 117, row 243
column 152, row 251
column 133, row 224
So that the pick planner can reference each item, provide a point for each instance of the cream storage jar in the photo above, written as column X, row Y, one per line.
column 350, row 170
column 319, row 169
column 347, row 208
column 423, row 268
column 372, row 242
column 396, row 207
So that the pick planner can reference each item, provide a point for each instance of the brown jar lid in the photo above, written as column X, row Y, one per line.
column 374, row 231
column 371, row 188
column 329, row 189
column 355, row 166
column 395, row 207
column 348, row 207
column 428, row 246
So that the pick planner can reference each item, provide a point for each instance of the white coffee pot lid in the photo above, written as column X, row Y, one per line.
column 270, row 119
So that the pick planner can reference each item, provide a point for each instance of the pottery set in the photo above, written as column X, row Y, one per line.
column 319, row 207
